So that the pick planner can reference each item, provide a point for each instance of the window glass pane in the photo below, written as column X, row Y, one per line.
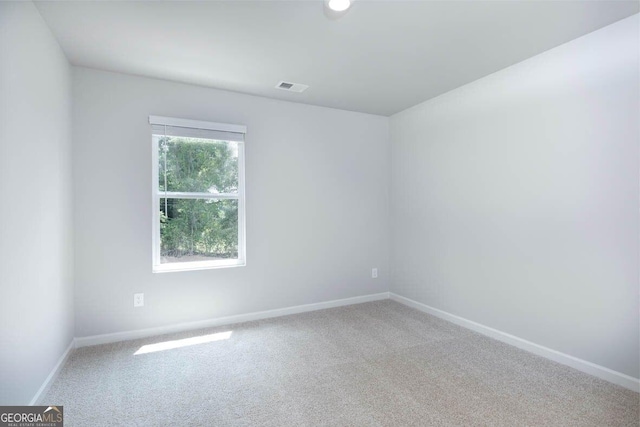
column 198, row 230
column 195, row 165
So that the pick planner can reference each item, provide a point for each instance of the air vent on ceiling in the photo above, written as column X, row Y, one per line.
column 291, row 87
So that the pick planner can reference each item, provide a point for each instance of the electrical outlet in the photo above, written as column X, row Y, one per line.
column 374, row 273
column 138, row 300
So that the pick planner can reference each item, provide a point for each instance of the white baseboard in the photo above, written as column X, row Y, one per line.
column 53, row 374
column 142, row 333
column 606, row 374
column 565, row 359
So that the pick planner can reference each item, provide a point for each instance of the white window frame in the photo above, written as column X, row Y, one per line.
column 158, row 267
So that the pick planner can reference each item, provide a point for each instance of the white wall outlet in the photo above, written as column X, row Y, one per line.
column 138, row 300
column 374, row 273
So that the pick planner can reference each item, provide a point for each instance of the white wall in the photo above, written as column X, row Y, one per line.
column 515, row 199
column 316, row 196
column 36, row 283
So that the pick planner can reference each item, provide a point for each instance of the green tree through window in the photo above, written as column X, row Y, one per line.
column 197, row 229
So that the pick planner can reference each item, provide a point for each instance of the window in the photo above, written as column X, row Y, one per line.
column 198, row 194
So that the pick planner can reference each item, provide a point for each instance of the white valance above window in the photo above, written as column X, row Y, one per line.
column 196, row 129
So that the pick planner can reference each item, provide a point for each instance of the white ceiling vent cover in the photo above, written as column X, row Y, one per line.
column 291, row 87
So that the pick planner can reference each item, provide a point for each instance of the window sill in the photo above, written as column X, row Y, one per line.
column 197, row 265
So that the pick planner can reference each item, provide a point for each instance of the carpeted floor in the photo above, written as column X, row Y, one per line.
column 373, row 364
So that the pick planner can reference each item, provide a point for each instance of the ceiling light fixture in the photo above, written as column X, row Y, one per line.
column 336, row 9
column 339, row 5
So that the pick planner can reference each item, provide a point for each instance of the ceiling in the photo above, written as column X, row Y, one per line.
column 381, row 57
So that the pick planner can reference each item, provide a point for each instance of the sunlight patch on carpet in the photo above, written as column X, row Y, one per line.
column 170, row 345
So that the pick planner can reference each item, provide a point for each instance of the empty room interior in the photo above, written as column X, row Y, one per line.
column 320, row 213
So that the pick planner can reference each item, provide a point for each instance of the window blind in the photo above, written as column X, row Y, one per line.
column 196, row 129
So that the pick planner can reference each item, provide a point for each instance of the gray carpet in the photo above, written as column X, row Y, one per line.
column 373, row 364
